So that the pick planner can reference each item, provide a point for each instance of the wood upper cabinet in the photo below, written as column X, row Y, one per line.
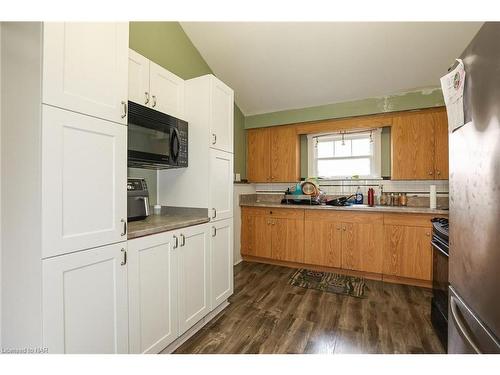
column 362, row 241
column 323, row 239
column 407, row 250
column 273, row 154
column 420, row 145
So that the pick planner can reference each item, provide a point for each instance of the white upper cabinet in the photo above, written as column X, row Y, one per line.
column 193, row 250
column 85, row 68
column 152, row 281
column 221, row 248
column 84, row 176
column 167, row 91
column 85, row 302
column 138, row 79
column 221, row 116
column 220, row 185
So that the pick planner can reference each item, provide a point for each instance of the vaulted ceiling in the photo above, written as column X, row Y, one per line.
column 277, row 66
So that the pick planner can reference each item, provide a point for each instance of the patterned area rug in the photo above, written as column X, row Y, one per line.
column 330, row 282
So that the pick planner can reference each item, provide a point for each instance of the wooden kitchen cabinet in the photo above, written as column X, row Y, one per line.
column 407, row 250
column 419, row 142
column 362, row 241
column 273, row 154
column 322, row 239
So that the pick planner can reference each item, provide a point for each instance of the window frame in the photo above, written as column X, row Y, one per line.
column 375, row 157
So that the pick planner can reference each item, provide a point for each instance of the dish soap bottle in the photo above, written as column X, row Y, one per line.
column 359, row 196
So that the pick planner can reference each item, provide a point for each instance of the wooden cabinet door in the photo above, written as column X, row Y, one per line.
column 441, row 146
column 222, row 115
column 221, row 250
column 247, row 246
column 262, row 236
column 362, row 243
column 323, row 241
column 85, row 302
column 84, row 169
column 85, row 68
column 193, row 253
column 167, row 91
column 285, row 154
column 258, row 155
column 408, row 252
column 152, row 286
column 221, row 185
column 138, row 79
column 412, row 137
column 287, row 239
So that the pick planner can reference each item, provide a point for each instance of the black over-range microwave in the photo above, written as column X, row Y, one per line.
column 155, row 139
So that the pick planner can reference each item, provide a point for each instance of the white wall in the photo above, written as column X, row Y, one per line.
column 238, row 190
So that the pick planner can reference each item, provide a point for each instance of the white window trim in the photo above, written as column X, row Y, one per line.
column 376, row 157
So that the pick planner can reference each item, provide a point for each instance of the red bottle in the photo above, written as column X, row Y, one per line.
column 371, row 197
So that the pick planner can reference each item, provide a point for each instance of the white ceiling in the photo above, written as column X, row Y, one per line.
column 277, row 66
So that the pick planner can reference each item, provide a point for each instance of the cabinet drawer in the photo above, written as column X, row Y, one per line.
column 417, row 220
column 285, row 213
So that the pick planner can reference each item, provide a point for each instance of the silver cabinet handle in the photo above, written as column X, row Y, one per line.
column 183, row 240
column 154, row 100
column 147, row 97
column 214, row 213
column 438, row 173
column 176, row 245
column 214, row 231
column 214, row 138
column 430, row 173
column 124, row 104
column 124, row 227
column 461, row 325
column 124, row 259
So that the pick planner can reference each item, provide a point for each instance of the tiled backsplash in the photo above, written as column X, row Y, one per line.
column 344, row 187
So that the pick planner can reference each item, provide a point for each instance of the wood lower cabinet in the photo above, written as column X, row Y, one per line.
column 323, row 239
column 407, row 250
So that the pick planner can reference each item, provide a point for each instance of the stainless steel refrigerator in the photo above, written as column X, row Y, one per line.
column 474, row 263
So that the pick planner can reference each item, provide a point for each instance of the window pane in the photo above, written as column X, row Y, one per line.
column 361, row 146
column 344, row 167
column 325, row 149
column 343, row 149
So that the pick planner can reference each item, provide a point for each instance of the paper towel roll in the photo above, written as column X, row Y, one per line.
column 432, row 196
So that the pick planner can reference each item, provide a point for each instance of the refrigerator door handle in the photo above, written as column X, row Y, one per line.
column 461, row 325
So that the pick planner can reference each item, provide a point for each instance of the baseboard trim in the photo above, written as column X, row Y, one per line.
column 367, row 275
column 194, row 329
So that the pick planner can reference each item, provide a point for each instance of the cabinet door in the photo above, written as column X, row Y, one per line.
column 194, row 275
column 167, row 91
column 285, row 154
column 85, row 68
column 247, row 246
column 407, row 252
column 258, row 155
column 323, row 241
column 222, row 116
column 138, row 79
column 84, row 176
column 85, row 302
column 152, row 280
column 412, row 137
column 287, row 239
column 221, row 185
column 221, row 249
column 262, row 237
column 362, row 244
column 441, row 146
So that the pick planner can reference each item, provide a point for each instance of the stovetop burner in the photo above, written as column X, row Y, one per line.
column 441, row 228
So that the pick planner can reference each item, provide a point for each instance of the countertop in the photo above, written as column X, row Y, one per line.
column 170, row 218
column 361, row 208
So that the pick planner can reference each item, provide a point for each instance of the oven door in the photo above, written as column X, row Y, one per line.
column 440, row 274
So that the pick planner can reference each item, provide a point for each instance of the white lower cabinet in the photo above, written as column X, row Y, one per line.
column 194, row 275
column 221, row 249
column 152, row 281
column 85, row 307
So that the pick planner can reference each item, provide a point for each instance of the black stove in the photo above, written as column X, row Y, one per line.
column 440, row 228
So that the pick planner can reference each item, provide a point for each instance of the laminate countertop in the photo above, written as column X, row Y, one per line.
column 358, row 208
column 170, row 218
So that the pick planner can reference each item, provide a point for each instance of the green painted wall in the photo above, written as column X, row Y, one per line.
column 401, row 102
column 167, row 44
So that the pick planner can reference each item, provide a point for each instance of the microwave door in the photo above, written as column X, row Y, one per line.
column 150, row 144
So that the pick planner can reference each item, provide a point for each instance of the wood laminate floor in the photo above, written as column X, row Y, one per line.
column 267, row 315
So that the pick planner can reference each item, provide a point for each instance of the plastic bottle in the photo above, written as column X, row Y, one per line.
column 371, row 197
column 359, row 196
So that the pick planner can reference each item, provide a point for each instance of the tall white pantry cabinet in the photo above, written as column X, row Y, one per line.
column 64, row 171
